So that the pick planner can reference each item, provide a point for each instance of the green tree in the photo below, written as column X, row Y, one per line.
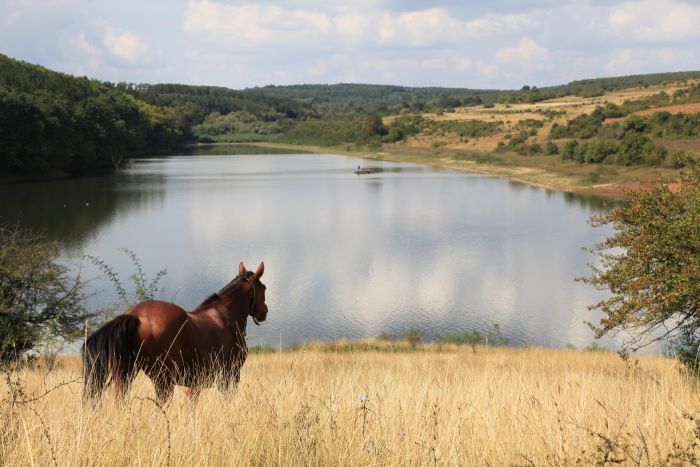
column 39, row 300
column 651, row 264
column 569, row 151
column 372, row 125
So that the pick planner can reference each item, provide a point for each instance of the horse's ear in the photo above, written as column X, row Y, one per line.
column 259, row 272
column 241, row 269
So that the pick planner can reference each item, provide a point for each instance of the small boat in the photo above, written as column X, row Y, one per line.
column 361, row 171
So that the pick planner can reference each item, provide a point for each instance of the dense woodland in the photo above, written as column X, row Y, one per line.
column 351, row 99
column 53, row 121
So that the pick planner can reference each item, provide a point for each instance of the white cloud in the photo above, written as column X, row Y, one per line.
column 645, row 60
column 655, row 20
column 242, row 43
column 80, row 43
column 126, row 45
column 254, row 24
column 486, row 70
column 527, row 50
column 12, row 17
column 352, row 27
column 90, row 55
column 463, row 64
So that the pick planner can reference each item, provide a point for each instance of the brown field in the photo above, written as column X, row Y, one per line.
column 338, row 405
column 510, row 114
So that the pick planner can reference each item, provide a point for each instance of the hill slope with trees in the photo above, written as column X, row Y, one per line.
column 52, row 121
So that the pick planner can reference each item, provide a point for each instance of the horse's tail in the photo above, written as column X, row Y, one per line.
column 110, row 352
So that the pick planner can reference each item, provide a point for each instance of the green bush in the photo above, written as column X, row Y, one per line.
column 40, row 302
column 551, row 148
column 534, row 149
column 570, row 148
column 633, row 148
column 597, row 151
column 584, row 126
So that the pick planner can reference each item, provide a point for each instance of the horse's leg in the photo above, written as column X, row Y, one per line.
column 237, row 365
column 229, row 378
column 163, row 381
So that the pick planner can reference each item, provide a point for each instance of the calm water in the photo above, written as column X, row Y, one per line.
column 346, row 256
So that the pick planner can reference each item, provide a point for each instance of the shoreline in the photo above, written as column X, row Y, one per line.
column 546, row 172
column 556, row 180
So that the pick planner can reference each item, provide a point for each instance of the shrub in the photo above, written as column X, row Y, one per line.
column 534, row 149
column 651, row 265
column 39, row 300
column 678, row 159
column 633, row 148
column 551, row 148
column 569, row 151
column 599, row 151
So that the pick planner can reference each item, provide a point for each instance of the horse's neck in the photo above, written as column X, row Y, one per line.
column 233, row 314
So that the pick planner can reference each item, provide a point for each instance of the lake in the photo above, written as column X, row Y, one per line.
column 347, row 256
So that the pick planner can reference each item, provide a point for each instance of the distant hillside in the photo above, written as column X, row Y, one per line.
column 222, row 100
column 347, row 98
column 597, row 86
column 53, row 121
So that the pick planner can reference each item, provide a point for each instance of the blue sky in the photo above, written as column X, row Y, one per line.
column 496, row 44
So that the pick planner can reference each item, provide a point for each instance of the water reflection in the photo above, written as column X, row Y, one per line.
column 230, row 149
column 346, row 255
column 71, row 211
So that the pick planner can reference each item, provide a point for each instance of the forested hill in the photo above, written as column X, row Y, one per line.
column 54, row 121
column 596, row 86
column 208, row 99
column 349, row 98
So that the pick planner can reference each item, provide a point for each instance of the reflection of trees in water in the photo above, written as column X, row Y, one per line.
column 592, row 202
column 231, row 150
column 589, row 202
column 69, row 211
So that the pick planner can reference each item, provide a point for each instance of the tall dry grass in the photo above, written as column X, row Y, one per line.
column 316, row 406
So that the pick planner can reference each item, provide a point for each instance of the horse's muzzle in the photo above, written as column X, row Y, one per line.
column 259, row 320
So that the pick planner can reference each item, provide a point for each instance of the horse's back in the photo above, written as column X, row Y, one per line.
column 160, row 325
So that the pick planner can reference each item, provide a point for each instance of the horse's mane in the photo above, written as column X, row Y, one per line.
column 211, row 298
column 215, row 296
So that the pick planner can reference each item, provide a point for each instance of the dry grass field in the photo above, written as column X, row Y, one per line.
column 346, row 405
column 510, row 114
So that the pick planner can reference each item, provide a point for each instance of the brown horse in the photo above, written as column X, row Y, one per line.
column 174, row 347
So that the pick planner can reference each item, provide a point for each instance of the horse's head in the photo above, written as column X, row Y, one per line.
column 258, row 308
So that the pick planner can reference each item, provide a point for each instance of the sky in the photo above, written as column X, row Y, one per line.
column 499, row 44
